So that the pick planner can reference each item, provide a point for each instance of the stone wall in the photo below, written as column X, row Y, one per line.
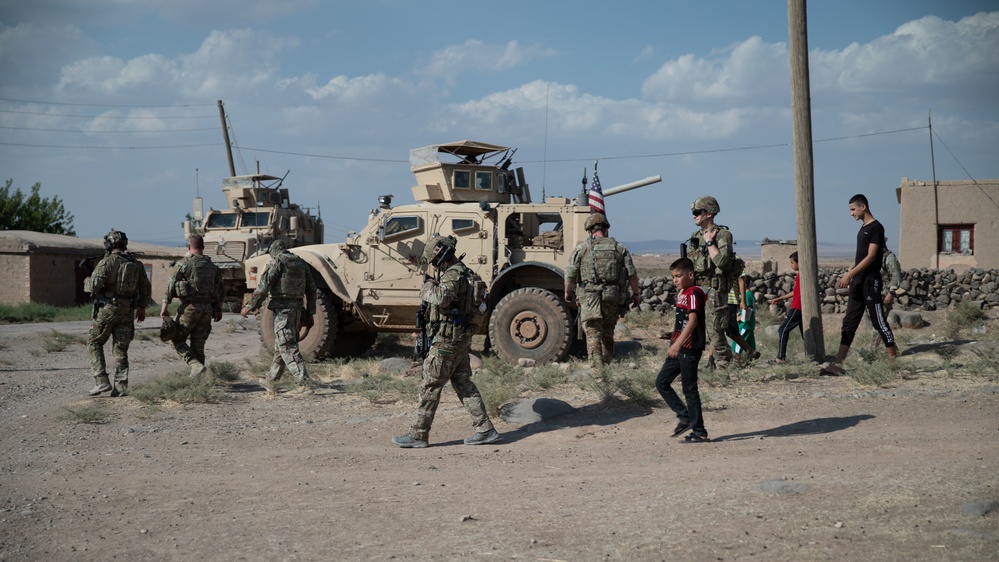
column 921, row 289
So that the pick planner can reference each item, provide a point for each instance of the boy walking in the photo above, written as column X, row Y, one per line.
column 793, row 318
column 686, row 346
column 864, row 281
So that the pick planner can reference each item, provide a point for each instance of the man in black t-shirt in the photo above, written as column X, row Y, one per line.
column 864, row 281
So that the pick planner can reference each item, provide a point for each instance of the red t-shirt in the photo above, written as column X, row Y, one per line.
column 796, row 299
column 690, row 302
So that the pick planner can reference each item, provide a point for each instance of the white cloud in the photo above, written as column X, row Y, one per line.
column 30, row 54
column 225, row 62
column 476, row 55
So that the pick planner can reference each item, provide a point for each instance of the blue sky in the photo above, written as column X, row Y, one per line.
column 339, row 92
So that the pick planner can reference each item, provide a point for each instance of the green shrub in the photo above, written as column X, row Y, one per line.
column 966, row 314
column 384, row 388
column 878, row 373
column 547, row 376
column 224, row 371
column 178, row 386
column 498, row 382
column 86, row 414
column 59, row 340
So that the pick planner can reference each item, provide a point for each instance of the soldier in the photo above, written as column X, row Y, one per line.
column 451, row 315
column 891, row 275
column 602, row 268
column 120, row 290
column 197, row 282
column 713, row 256
column 287, row 280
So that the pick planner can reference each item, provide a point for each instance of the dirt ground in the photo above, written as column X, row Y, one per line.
column 812, row 468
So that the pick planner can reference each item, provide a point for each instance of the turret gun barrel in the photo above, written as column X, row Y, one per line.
column 633, row 185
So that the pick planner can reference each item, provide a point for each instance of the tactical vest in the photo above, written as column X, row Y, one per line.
column 471, row 300
column 292, row 282
column 127, row 277
column 704, row 268
column 199, row 285
column 604, row 267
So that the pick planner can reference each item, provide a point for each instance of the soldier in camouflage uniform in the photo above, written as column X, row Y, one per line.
column 120, row 291
column 197, row 282
column 447, row 360
column 712, row 253
column 602, row 269
column 287, row 280
column 891, row 276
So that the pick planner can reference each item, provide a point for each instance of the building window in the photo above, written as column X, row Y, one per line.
column 956, row 239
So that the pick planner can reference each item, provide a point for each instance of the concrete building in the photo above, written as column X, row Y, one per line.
column 954, row 225
column 47, row 268
column 776, row 255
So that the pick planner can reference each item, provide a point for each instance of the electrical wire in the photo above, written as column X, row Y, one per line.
column 103, row 104
column 973, row 180
column 108, row 132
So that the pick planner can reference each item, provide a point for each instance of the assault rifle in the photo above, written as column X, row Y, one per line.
column 422, row 347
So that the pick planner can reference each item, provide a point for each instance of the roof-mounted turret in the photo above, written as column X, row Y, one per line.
column 470, row 178
column 254, row 190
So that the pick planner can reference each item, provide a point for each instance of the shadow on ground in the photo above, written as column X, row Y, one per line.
column 805, row 427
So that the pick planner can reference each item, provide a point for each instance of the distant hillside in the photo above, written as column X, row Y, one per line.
column 745, row 248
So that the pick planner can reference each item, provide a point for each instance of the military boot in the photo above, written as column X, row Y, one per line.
column 481, row 438
column 103, row 385
column 409, row 442
column 197, row 367
column 120, row 389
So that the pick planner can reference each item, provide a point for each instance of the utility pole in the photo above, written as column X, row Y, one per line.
column 804, row 180
column 225, row 137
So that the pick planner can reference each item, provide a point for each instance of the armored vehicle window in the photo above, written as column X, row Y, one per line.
column 462, row 179
column 221, row 220
column 459, row 225
column 255, row 219
column 395, row 227
column 484, row 181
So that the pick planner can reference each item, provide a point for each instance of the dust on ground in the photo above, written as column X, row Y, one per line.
column 809, row 468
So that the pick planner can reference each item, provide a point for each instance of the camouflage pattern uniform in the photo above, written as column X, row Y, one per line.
column 709, row 274
column 891, row 275
column 284, row 281
column 194, row 317
column 611, row 294
column 447, row 360
column 113, row 318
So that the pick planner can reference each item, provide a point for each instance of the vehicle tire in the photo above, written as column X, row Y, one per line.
column 320, row 340
column 532, row 323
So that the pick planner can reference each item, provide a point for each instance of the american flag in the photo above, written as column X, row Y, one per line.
column 597, row 196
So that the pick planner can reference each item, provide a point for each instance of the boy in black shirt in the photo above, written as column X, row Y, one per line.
column 864, row 281
column 686, row 345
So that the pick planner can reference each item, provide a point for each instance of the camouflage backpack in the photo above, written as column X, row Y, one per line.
column 200, row 273
column 129, row 271
column 474, row 305
column 292, row 282
column 605, row 266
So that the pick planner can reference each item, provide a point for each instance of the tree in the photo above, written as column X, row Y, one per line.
column 18, row 212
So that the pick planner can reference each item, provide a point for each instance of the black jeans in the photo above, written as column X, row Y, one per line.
column 685, row 365
column 791, row 321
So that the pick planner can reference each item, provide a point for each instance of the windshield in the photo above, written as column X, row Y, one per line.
column 221, row 220
column 250, row 218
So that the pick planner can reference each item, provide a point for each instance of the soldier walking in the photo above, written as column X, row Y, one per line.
column 120, row 291
column 601, row 269
column 287, row 280
column 713, row 256
column 451, row 315
column 197, row 282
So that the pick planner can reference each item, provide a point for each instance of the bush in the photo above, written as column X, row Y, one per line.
column 178, row 386
column 224, row 371
column 59, row 340
column 966, row 314
column 87, row 414
column 384, row 389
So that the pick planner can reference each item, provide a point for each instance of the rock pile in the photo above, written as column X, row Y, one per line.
column 921, row 289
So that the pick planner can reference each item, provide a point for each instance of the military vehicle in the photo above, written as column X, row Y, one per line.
column 258, row 213
column 370, row 284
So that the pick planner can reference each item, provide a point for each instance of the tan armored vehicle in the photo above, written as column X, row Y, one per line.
column 371, row 283
column 259, row 212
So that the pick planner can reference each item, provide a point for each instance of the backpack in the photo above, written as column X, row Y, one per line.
column 292, row 283
column 604, row 261
column 127, row 281
column 476, row 297
column 200, row 282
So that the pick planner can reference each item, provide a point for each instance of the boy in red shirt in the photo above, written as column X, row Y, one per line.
column 793, row 318
column 686, row 345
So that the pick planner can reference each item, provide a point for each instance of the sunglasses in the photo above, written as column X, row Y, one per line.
column 698, row 212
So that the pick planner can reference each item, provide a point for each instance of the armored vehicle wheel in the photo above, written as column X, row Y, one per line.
column 320, row 340
column 532, row 323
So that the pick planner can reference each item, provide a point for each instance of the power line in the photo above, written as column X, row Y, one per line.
column 108, row 132
column 328, row 156
column 104, row 104
column 973, row 180
column 107, row 147
column 107, row 116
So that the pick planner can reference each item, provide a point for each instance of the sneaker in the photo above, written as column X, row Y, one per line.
column 680, row 429
column 100, row 388
column 408, row 442
column 481, row 438
column 197, row 368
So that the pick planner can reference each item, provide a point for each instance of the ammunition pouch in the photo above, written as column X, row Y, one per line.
column 185, row 289
column 590, row 300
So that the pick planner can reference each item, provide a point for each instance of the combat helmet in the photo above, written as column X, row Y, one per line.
column 277, row 248
column 596, row 220
column 115, row 239
column 706, row 202
column 439, row 250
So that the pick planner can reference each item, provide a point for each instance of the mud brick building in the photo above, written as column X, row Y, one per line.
column 49, row 269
